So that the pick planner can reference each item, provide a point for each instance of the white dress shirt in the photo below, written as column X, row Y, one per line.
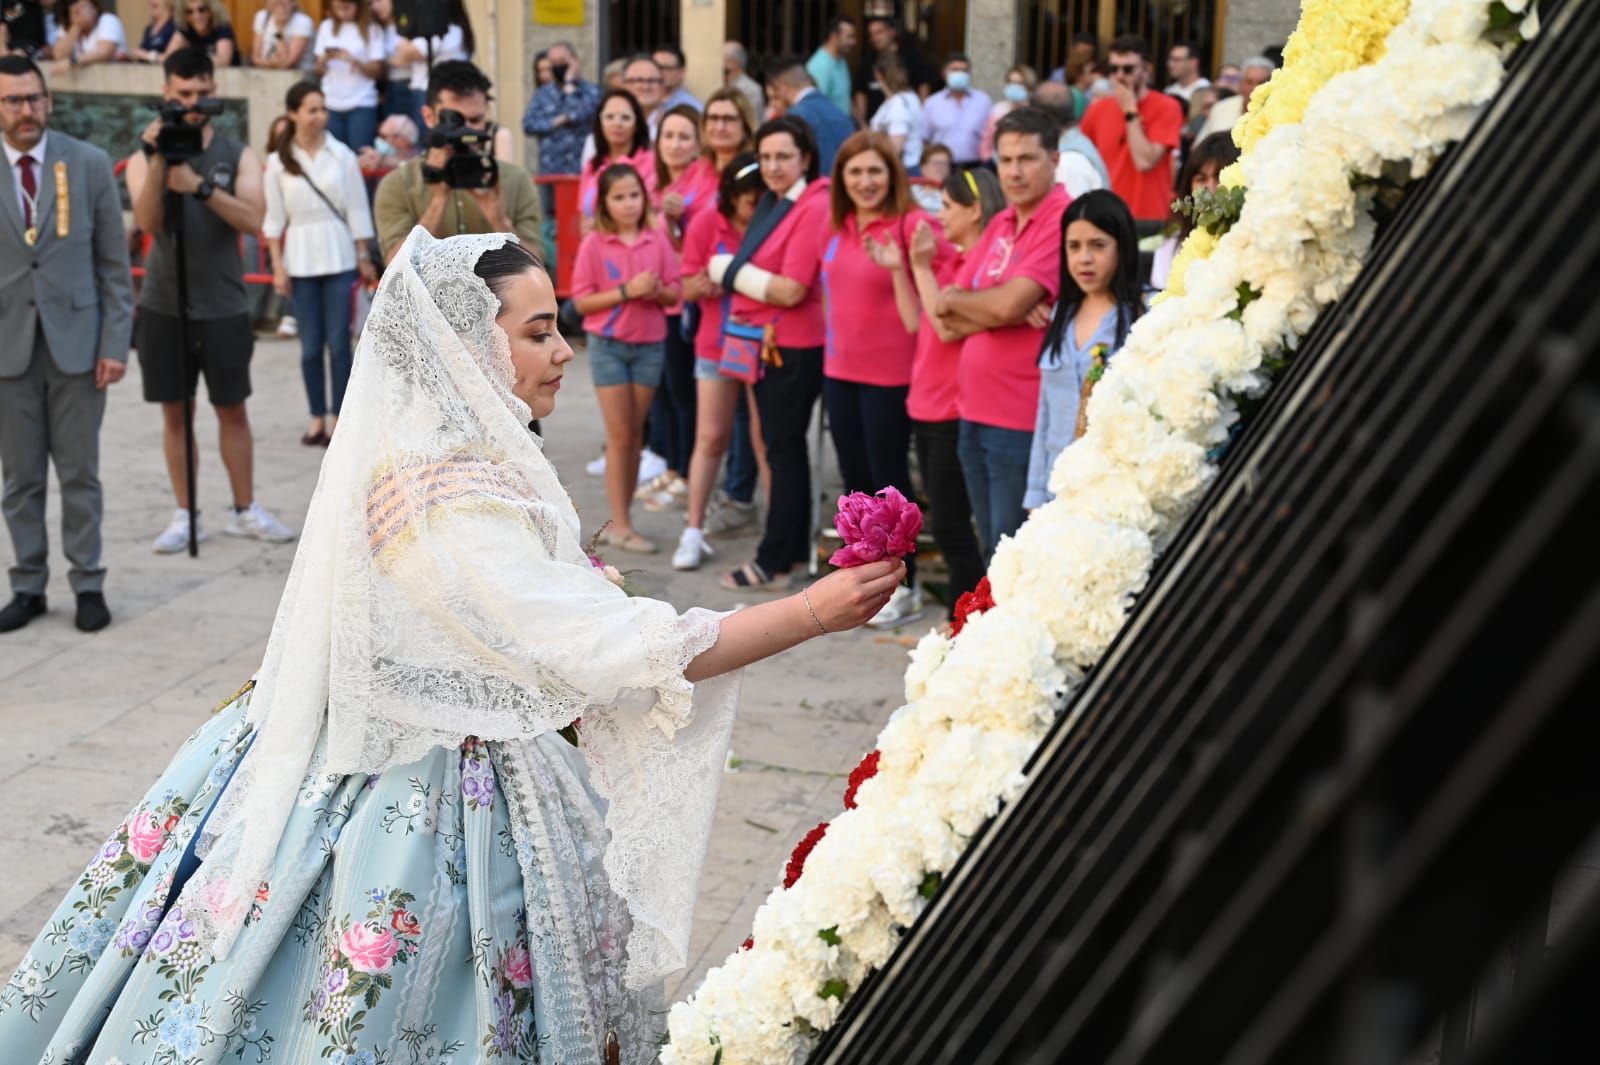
column 345, row 88
column 12, row 157
column 318, row 242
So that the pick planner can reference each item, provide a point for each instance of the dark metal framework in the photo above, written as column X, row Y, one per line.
column 1331, row 769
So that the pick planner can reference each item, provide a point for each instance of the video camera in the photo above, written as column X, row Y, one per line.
column 471, row 164
column 179, row 140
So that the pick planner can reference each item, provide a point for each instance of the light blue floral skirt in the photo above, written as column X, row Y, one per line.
column 449, row 911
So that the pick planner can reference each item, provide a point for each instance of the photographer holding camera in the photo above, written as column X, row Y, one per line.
column 217, row 182
column 457, row 186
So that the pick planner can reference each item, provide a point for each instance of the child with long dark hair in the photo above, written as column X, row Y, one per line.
column 1100, row 299
column 625, row 275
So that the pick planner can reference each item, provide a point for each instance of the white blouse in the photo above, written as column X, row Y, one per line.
column 453, row 45
column 299, row 25
column 318, row 242
column 344, row 87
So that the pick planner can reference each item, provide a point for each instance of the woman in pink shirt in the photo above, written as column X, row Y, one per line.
column 621, row 135
column 870, row 306
column 625, row 274
column 718, row 397
column 685, row 184
column 773, row 277
column 971, row 198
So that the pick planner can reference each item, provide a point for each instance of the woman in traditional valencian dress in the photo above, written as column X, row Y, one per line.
column 460, row 814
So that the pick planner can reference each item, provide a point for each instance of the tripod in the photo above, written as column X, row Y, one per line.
column 172, row 216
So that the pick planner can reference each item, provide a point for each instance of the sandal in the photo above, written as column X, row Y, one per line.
column 752, row 578
column 628, row 541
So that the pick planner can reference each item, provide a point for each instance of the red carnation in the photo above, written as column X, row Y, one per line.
column 748, row 944
column 802, row 851
column 974, row 602
column 859, row 776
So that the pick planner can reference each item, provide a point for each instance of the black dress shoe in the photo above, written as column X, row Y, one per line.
column 93, row 614
column 23, row 608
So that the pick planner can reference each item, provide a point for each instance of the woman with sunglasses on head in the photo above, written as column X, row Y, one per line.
column 205, row 26
column 971, row 197
column 621, row 135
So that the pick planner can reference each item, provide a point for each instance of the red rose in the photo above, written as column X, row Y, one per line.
column 802, row 851
column 405, row 923
column 167, row 826
column 974, row 602
column 859, row 776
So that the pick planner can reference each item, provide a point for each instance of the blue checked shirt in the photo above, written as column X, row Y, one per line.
column 561, row 147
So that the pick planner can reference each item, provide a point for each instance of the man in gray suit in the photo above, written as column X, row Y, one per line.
column 66, row 315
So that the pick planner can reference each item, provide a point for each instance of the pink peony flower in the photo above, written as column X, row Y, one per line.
column 875, row 527
column 144, row 837
column 369, row 950
column 519, row 967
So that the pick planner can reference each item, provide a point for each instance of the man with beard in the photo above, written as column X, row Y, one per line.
column 1136, row 130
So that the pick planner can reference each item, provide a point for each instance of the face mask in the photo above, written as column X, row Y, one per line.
column 959, row 80
column 383, row 147
column 1016, row 93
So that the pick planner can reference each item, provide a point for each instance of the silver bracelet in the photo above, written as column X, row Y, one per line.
column 807, row 597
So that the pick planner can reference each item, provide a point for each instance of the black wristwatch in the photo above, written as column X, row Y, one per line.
column 1130, row 116
column 204, row 190
column 147, row 148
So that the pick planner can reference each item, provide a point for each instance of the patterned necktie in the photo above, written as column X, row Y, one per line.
column 30, row 190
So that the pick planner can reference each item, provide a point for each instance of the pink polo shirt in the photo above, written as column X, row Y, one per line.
column 794, row 250
column 606, row 261
column 867, row 342
column 643, row 161
column 698, row 187
column 999, row 378
column 935, row 394
column 709, row 234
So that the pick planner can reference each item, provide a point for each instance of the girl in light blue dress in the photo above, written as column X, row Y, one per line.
column 460, row 813
column 1100, row 299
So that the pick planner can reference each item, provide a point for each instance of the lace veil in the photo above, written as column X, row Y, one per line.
column 441, row 590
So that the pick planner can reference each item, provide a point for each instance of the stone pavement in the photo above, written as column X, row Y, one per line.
column 89, row 721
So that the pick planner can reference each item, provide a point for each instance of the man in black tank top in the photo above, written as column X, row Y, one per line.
column 221, row 197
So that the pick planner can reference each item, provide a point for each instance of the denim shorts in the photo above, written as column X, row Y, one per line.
column 617, row 362
column 709, row 370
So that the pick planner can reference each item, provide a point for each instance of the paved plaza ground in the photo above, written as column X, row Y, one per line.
column 90, row 720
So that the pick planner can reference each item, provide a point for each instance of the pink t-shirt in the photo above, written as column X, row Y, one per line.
column 606, row 261
column 698, row 187
column 999, row 379
column 934, row 395
column 867, row 342
column 709, row 234
column 794, row 250
column 643, row 160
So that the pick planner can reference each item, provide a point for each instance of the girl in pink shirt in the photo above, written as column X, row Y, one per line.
column 970, row 199
column 625, row 274
column 871, row 311
column 621, row 135
column 717, row 398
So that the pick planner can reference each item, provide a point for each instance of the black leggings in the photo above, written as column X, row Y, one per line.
column 949, row 509
column 785, row 398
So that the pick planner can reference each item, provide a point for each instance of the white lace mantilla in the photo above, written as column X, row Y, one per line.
column 441, row 590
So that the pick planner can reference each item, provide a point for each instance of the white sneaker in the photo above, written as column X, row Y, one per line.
column 257, row 523
column 903, row 607
column 651, row 466
column 693, row 551
column 728, row 516
column 597, row 467
column 175, row 537
column 288, row 327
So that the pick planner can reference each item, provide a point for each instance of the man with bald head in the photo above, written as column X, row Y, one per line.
column 1225, row 114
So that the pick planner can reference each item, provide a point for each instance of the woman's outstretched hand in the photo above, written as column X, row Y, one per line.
column 847, row 598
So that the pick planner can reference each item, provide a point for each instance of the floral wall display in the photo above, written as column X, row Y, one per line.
column 1371, row 94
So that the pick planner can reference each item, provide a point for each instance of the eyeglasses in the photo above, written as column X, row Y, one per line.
column 730, row 119
column 23, row 102
column 642, row 81
column 1125, row 68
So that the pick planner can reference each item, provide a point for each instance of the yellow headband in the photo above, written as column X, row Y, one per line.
column 972, row 183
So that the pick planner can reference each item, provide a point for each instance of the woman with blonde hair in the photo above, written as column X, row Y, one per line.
column 205, row 26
